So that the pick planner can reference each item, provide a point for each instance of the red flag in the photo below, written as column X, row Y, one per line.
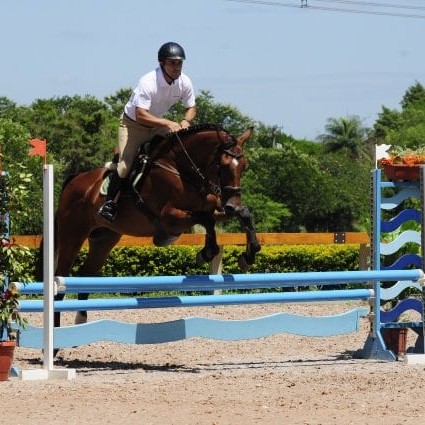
column 38, row 147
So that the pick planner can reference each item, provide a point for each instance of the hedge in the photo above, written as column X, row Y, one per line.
column 181, row 260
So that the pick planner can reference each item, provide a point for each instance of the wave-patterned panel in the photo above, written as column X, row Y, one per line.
column 395, row 290
column 404, row 262
column 401, row 307
column 402, row 239
column 232, row 330
column 394, row 201
column 399, row 219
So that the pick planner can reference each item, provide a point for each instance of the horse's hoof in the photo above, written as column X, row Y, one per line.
column 200, row 260
column 80, row 318
column 243, row 263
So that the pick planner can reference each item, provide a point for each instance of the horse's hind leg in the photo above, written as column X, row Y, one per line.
column 66, row 252
column 101, row 242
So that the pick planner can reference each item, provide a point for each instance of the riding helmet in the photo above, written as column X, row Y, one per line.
column 171, row 50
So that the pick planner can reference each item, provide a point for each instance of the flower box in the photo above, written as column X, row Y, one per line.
column 402, row 172
column 396, row 340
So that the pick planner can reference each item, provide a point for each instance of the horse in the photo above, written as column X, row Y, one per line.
column 189, row 177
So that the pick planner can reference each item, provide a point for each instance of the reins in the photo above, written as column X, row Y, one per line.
column 215, row 188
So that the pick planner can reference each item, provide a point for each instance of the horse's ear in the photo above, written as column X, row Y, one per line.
column 245, row 136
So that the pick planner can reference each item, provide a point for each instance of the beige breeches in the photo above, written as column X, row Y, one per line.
column 131, row 135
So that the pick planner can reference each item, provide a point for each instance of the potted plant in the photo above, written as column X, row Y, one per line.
column 13, row 267
column 403, row 163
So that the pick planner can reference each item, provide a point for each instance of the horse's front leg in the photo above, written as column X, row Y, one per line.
column 175, row 221
column 211, row 248
column 252, row 245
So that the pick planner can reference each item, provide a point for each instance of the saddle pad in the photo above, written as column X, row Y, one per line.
column 105, row 185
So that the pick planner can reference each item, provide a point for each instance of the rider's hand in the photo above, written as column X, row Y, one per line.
column 184, row 123
column 173, row 126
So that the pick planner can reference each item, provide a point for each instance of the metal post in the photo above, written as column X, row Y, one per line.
column 48, row 371
column 48, row 268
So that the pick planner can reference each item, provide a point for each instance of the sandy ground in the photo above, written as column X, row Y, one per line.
column 284, row 379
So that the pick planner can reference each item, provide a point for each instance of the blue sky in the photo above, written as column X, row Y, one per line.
column 285, row 66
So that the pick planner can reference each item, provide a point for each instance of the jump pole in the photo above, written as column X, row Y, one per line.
column 48, row 371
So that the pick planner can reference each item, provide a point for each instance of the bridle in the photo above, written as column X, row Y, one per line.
column 232, row 190
column 225, row 148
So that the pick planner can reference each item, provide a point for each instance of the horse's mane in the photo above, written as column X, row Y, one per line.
column 195, row 129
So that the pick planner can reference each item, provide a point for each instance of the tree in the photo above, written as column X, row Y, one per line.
column 7, row 107
column 289, row 186
column 345, row 133
column 414, row 96
column 117, row 101
column 293, row 180
column 80, row 130
column 388, row 120
column 25, row 209
column 224, row 115
column 405, row 128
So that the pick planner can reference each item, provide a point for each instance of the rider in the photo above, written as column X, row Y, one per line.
column 156, row 92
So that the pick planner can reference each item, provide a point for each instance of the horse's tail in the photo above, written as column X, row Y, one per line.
column 68, row 179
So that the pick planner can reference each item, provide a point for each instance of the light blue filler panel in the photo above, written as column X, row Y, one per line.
column 154, row 333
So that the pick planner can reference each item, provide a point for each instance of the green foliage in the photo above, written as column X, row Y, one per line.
column 181, row 260
column 292, row 179
column 290, row 185
column 414, row 96
column 117, row 101
column 268, row 215
column 152, row 261
column 224, row 115
column 80, row 130
column 345, row 133
column 405, row 128
column 25, row 178
column 350, row 197
column 307, row 258
column 13, row 263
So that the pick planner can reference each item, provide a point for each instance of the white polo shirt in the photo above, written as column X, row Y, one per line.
column 154, row 94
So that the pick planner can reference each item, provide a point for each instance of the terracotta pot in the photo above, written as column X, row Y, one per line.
column 402, row 172
column 7, row 349
column 396, row 340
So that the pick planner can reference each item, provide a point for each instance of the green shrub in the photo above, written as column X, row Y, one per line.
column 181, row 260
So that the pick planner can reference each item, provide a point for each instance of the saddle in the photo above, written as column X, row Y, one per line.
column 139, row 171
column 139, row 168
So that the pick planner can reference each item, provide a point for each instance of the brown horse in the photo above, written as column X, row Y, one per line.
column 190, row 177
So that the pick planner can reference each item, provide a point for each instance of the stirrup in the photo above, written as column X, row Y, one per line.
column 108, row 210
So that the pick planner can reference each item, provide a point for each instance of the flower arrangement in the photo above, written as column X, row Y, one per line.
column 403, row 164
column 405, row 156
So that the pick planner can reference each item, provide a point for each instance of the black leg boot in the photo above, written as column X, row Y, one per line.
column 109, row 209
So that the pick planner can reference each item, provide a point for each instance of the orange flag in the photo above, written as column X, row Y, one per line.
column 38, row 147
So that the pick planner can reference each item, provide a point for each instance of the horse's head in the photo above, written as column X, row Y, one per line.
column 212, row 160
column 232, row 165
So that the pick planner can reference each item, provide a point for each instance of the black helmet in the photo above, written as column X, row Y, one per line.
column 171, row 50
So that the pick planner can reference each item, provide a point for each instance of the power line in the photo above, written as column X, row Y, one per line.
column 363, row 3
column 304, row 4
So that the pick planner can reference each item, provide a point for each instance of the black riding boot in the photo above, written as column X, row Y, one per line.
column 109, row 209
